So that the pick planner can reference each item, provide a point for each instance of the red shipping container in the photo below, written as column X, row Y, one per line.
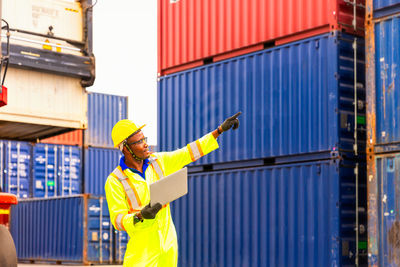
column 71, row 138
column 196, row 32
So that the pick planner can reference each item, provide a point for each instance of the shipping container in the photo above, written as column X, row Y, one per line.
column 99, row 163
column 41, row 105
column 103, row 112
column 69, row 170
column 50, row 35
column 192, row 33
column 385, row 7
column 383, row 60
column 45, row 178
column 73, row 138
column 121, row 241
column 74, row 229
column 300, row 214
column 36, row 16
column 56, row 170
column 384, row 210
column 15, row 165
column 296, row 98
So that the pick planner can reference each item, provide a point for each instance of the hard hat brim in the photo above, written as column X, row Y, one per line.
column 138, row 129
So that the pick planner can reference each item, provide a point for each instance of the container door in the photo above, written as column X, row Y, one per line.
column 44, row 170
column 388, row 173
column 99, row 231
column 18, row 166
column 121, row 241
column 69, row 170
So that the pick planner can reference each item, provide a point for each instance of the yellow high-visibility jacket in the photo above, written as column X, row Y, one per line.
column 152, row 242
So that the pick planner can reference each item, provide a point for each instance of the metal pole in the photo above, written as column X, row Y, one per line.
column 62, row 170
column 70, row 170
column 355, row 126
column 45, row 170
column 55, row 171
column 101, row 227
column 9, row 166
column 18, row 181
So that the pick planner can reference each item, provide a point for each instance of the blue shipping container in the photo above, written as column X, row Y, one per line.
column 64, row 229
column 56, row 167
column 384, row 210
column 385, row 7
column 103, row 112
column 296, row 98
column 387, row 97
column 16, row 167
column 121, row 241
column 45, row 180
column 69, row 170
column 284, row 215
column 99, row 163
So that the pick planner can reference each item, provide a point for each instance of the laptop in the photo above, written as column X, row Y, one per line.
column 169, row 188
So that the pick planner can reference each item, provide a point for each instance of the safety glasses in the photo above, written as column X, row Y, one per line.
column 138, row 142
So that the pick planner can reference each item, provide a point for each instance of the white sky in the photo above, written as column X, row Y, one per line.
column 125, row 47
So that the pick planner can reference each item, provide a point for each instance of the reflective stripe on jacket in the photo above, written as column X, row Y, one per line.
column 152, row 242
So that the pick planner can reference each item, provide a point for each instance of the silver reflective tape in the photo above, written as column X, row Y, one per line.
column 157, row 168
column 128, row 190
column 130, row 194
column 118, row 221
column 195, row 150
column 121, row 176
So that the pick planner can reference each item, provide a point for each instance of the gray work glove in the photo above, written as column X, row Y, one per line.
column 149, row 212
column 231, row 122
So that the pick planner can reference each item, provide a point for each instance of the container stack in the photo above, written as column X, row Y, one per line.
column 71, row 168
column 383, row 133
column 55, row 149
column 100, row 156
column 49, row 44
column 288, row 188
column 73, row 229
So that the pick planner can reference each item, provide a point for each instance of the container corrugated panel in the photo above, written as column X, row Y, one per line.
column 42, row 23
column 286, row 215
column 16, row 157
column 387, row 62
column 385, row 7
column 193, row 31
column 51, row 104
column 103, row 112
column 36, row 16
column 296, row 98
column 56, row 167
column 73, row 138
column 69, row 170
column 121, row 242
column 99, row 163
column 384, row 240
column 45, row 172
column 64, row 229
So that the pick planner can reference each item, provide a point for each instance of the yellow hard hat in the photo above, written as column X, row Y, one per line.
column 122, row 130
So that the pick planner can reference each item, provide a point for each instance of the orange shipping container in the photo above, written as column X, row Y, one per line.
column 71, row 138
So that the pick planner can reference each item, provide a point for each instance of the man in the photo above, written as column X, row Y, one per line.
column 153, row 240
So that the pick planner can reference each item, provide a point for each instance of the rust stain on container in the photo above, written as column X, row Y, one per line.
column 394, row 242
column 85, row 234
column 372, row 184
